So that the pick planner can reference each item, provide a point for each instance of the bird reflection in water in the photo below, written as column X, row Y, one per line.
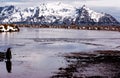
column 8, row 66
column 8, row 62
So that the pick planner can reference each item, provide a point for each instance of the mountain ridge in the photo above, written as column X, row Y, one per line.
column 59, row 14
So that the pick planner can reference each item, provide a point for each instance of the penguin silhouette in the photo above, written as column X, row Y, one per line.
column 8, row 54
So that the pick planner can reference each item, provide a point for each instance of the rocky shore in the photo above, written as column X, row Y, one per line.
column 99, row 64
column 106, row 28
column 9, row 28
column 15, row 27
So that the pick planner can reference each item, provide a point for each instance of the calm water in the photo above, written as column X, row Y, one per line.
column 36, row 52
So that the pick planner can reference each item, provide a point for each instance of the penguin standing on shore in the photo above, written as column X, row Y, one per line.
column 8, row 54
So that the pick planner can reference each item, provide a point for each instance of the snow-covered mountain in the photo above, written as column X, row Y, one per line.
column 54, row 14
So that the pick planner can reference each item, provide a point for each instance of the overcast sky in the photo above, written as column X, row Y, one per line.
column 92, row 3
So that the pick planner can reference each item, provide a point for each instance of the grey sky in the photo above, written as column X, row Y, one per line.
column 91, row 3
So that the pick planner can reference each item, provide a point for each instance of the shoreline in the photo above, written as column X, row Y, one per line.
column 9, row 28
column 105, row 28
column 81, row 64
column 76, row 27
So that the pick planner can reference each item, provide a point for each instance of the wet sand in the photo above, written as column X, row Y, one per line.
column 99, row 64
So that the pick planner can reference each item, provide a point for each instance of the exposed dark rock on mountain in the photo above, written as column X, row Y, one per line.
column 61, row 14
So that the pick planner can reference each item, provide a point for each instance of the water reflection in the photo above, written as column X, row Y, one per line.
column 8, row 66
column 8, row 62
column 7, row 55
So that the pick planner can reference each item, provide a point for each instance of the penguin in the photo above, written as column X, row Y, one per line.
column 8, row 54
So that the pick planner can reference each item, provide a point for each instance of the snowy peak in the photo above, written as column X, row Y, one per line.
column 95, row 16
column 58, row 9
column 54, row 14
column 87, row 16
column 85, row 7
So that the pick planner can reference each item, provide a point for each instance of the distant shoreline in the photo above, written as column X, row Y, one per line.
column 106, row 28
column 100, row 27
